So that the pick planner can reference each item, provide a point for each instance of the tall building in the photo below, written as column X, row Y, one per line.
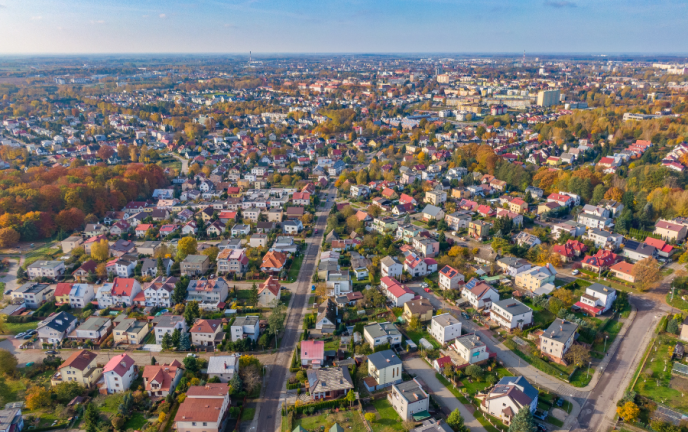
column 547, row 98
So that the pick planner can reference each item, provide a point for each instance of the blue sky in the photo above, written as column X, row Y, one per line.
column 327, row 26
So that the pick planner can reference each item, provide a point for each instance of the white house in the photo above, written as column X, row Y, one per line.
column 167, row 324
column 56, row 327
column 245, row 327
column 381, row 333
column 445, row 328
column 390, row 267
column 118, row 374
column 480, row 296
column 509, row 396
column 511, row 313
column 450, row 278
column 471, row 348
column 597, row 299
column 81, row 295
column 408, row 398
column 384, row 367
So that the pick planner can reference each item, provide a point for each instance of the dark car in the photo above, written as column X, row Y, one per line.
column 52, row 352
column 28, row 336
column 540, row 415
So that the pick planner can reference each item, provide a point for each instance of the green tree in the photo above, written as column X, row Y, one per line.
column 166, row 341
column 179, row 293
column 153, row 361
column 66, row 391
column 176, row 337
column 91, row 418
column 598, row 194
column 184, row 342
column 191, row 312
column 253, row 295
column 235, row 383
column 414, row 323
column 523, row 421
column 8, row 362
column 350, row 397
column 474, row 371
column 276, row 321
column 191, row 364
column 455, row 421
column 370, row 417
column 672, row 327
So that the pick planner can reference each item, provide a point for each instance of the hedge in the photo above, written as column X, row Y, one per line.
column 337, row 403
column 293, row 386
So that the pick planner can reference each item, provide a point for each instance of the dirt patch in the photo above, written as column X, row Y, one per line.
column 559, row 414
column 678, row 383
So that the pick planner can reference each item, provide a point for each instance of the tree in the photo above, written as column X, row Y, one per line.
column 184, row 342
column 276, row 321
column 628, row 411
column 250, row 376
column 191, row 312
column 456, row 422
column 91, row 417
column 578, row 355
column 191, row 364
column 350, row 397
column 523, row 421
column 253, row 295
column 100, row 251
column 235, row 383
column 176, row 337
column 166, row 341
column 474, row 371
column 8, row 362
column 186, row 246
column 8, row 237
column 646, row 273
column 179, row 293
column 370, row 417
column 672, row 326
column 153, row 361
column 566, row 296
column 66, row 391
column 37, row 397
column 211, row 253
column 414, row 323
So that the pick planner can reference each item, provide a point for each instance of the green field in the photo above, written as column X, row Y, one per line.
column 136, row 422
column 388, row 418
column 349, row 420
column 655, row 380
column 16, row 328
column 416, row 335
column 613, row 327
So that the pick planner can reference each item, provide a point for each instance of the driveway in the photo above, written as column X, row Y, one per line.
column 418, row 367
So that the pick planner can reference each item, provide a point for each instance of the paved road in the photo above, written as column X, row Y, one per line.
column 185, row 163
column 418, row 367
column 268, row 412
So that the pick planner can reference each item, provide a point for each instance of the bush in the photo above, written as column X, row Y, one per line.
column 338, row 403
column 370, row 417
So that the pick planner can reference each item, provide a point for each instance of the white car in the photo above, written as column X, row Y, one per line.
column 20, row 335
column 575, row 272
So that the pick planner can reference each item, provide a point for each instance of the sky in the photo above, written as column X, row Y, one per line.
column 343, row 26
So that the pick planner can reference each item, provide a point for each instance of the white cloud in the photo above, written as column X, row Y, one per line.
column 162, row 16
column 97, row 21
column 36, row 18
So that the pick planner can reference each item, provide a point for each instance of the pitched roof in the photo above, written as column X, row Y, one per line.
column 63, row 289
column 274, row 259
column 200, row 409
column 119, row 364
column 312, row 350
column 272, row 285
column 123, row 286
column 206, row 326
column 79, row 360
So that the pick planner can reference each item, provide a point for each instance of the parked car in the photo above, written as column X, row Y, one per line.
column 575, row 272
column 540, row 415
column 31, row 332
column 52, row 352
column 427, row 290
column 465, row 315
column 20, row 335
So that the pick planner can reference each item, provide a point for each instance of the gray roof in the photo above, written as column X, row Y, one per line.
column 411, row 391
column 32, row 288
column 560, row 330
column 150, row 244
column 445, row 320
column 246, row 321
column 432, row 210
column 329, row 379
column 94, row 323
column 381, row 329
column 165, row 321
column 432, row 425
column 388, row 261
column 470, row 341
column 601, row 289
column 513, row 306
column 195, row 258
column 226, row 364
column 45, row 264
column 512, row 261
column 8, row 417
column 383, row 359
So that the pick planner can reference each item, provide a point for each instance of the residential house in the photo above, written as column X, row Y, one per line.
column 604, row 239
column 232, row 261
column 597, row 299
column 509, row 396
column 481, row 296
column 120, row 293
column 431, row 212
column 46, row 269
column 167, row 324
column 536, row 277
column 209, row 293
column 390, row 267
column 435, row 197
column 512, row 266
column 85, row 270
column 312, row 353
column 81, row 295
column 292, row 227
column 557, row 339
column 623, row 271
column 478, row 229
column 458, row 220
column 129, row 331
column 158, row 293
column 245, row 327
column 471, row 348
column 207, row 333
column 450, row 278
column 56, row 327
column 118, row 374
column 239, row 230
column 377, row 334
column 445, row 328
column 269, row 292
column 671, row 231
column 149, row 267
column 384, row 369
column 273, row 262
column 396, row 292
column 409, row 400
column 80, row 367
column 94, row 329
column 421, row 309
column 328, row 383
column 204, row 409
column 61, row 293
column 71, row 243
column 527, row 239
column 149, row 248
column 32, row 294
column 511, row 313
column 195, row 265
column 223, row 367
column 569, row 250
column 602, row 260
column 161, row 379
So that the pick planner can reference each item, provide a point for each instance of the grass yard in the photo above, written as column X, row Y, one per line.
column 667, row 271
column 136, row 422
column 346, row 419
column 677, row 302
column 388, row 418
column 612, row 327
column 554, row 421
column 416, row 335
column 295, row 268
column 43, row 252
column 332, row 345
column 659, row 385
column 109, row 403
column 16, row 328
column 553, row 369
column 543, row 318
column 248, row 414
column 477, row 386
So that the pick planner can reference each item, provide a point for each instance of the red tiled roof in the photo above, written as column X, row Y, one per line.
column 119, row 364
column 312, row 350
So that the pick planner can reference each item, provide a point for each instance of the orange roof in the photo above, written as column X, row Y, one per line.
column 273, row 285
column 200, row 410
column 162, row 374
column 274, row 260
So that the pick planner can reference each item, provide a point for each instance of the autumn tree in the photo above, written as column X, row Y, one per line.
column 70, row 220
column 37, row 397
column 578, row 355
column 100, row 250
column 628, row 411
column 186, row 246
column 8, row 237
column 8, row 362
column 646, row 273
column 211, row 253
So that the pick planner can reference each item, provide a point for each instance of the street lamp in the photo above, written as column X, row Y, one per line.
column 589, row 364
column 605, row 343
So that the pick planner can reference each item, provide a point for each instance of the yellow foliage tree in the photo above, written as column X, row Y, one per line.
column 100, row 251
column 628, row 411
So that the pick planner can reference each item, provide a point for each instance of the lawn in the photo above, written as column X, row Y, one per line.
column 658, row 385
column 346, row 419
column 16, row 328
column 543, row 318
column 295, row 268
column 677, row 302
column 612, row 327
column 243, row 294
column 553, row 369
column 554, row 421
column 388, row 418
column 416, row 335
column 110, row 403
column 136, row 422
column 43, row 252
column 248, row 414
column 457, row 394
column 477, row 386
column 332, row 345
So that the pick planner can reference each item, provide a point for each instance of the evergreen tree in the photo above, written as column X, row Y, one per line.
column 523, row 421
column 179, row 293
column 91, row 418
column 153, row 361
column 235, row 383
column 456, row 422
column 176, row 337
column 166, row 341
column 253, row 295
column 184, row 342
column 191, row 312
